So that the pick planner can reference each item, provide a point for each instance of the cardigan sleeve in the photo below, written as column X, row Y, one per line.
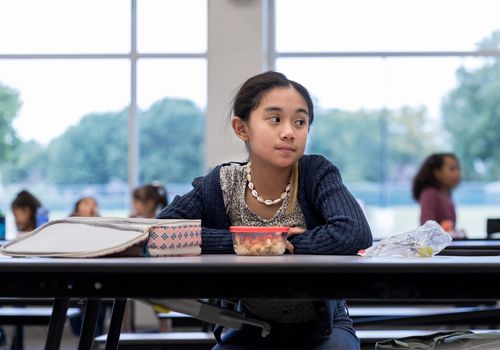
column 216, row 241
column 345, row 229
column 192, row 206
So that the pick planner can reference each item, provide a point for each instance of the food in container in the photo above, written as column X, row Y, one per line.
column 259, row 240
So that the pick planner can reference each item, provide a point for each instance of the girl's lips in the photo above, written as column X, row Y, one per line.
column 286, row 150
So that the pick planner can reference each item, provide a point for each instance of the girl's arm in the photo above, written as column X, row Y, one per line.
column 215, row 241
column 346, row 230
column 190, row 206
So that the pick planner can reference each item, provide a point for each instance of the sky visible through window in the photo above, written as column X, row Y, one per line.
column 56, row 93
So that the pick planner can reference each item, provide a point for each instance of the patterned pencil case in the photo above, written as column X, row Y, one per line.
column 176, row 239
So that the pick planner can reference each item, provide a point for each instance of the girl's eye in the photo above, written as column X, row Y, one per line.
column 300, row 122
column 275, row 120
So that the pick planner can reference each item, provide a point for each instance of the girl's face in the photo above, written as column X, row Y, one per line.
column 22, row 216
column 276, row 131
column 449, row 174
column 144, row 209
column 87, row 207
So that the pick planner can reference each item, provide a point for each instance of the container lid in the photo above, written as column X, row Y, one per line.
column 257, row 229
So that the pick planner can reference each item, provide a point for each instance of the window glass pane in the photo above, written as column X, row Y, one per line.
column 378, row 118
column 59, row 26
column 172, row 26
column 384, row 25
column 70, row 133
column 55, row 94
column 172, row 99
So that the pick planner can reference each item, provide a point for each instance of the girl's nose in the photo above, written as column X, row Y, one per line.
column 287, row 133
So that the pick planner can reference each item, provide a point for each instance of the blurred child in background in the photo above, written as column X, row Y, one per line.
column 148, row 200
column 87, row 207
column 437, row 177
column 26, row 207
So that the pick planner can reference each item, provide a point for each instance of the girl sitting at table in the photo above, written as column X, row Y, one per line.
column 25, row 207
column 148, row 200
column 279, row 186
column 437, row 177
column 86, row 207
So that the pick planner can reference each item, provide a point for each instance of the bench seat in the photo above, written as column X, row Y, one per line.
column 204, row 340
column 170, row 341
column 430, row 315
column 30, row 316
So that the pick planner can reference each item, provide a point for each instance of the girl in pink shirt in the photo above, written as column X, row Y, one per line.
column 432, row 187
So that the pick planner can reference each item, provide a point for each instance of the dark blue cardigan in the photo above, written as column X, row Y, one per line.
column 335, row 222
column 334, row 219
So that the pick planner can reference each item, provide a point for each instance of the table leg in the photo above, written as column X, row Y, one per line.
column 115, row 324
column 17, row 343
column 56, row 324
column 89, row 323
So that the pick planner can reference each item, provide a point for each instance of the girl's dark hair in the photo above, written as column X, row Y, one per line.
column 24, row 199
column 425, row 175
column 250, row 93
column 152, row 192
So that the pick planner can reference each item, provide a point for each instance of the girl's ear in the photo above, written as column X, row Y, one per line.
column 240, row 128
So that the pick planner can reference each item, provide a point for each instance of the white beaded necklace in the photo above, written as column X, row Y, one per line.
column 256, row 195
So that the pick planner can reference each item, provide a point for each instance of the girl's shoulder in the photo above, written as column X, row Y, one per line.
column 316, row 172
column 315, row 162
column 231, row 175
column 214, row 176
column 430, row 192
column 311, row 159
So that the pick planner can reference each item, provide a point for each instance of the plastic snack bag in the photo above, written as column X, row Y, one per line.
column 427, row 240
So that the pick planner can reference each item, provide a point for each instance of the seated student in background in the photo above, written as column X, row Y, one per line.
column 279, row 186
column 148, row 200
column 438, row 175
column 86, row 207
column 25, row 207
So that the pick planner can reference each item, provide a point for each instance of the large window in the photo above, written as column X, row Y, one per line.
column 394, row 81
column 97, row 97
column 86, row 86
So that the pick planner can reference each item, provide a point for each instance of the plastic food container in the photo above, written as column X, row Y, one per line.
column 259, row 240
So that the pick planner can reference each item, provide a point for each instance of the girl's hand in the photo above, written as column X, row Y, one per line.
column 292, row 232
